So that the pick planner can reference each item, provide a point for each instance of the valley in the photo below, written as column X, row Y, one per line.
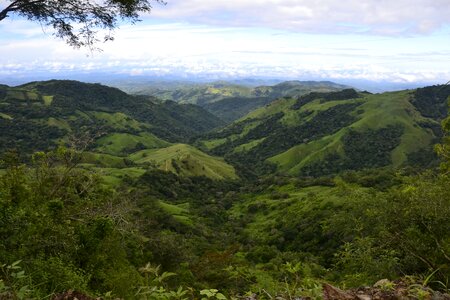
column 180, row 191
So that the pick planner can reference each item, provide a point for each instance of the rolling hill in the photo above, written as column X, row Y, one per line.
column 325, row 133
column 230, row 101
column 110, row 126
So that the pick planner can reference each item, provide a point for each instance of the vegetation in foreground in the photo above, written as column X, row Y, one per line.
column 169, row 237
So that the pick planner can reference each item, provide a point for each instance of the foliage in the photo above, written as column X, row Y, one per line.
column 325, row 97
column 432, row 101
column 13, row 282
column 78, row 22
column 443, row 149
column 368, row 149
column 403, row 231
column 95, row 113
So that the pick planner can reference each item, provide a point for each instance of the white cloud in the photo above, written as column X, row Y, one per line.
column 384, row 17
column 177, row 46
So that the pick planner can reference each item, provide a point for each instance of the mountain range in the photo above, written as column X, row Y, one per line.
column 165, row 200
column 310, row 134
column 230, row 101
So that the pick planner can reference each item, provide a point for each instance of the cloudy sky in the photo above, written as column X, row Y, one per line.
column 404, row 41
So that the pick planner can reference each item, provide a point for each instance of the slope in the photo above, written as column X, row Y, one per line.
column 107, row 124
column 169, row 121
column 324, row 133
column 185, row 160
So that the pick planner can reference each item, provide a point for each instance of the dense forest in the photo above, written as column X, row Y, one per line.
column 132, row 213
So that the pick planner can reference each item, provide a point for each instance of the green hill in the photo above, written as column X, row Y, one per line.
column 185, row 160
column 232, row 101
column 106, row 123
column 324, row 133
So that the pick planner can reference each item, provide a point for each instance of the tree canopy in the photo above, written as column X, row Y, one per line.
column 79, row 22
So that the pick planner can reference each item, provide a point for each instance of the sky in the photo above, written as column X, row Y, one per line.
column 401, row 41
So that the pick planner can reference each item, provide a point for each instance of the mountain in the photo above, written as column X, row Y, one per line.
column 230, row 101
column 110, row 125
column 324, row 133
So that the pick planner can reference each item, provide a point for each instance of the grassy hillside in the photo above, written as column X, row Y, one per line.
column 323, row 133
column 185, row 160
column 108, row 124
column 231, row 101
column 169, row 121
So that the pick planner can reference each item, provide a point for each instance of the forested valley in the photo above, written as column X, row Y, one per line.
column 118, row 196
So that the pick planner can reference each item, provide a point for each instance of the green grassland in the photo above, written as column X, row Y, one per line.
column 248, row 146
column 210, row 144
column 103, row 160
column 114, row 176
column 179, row 211
column 121, row 144
column 119, row 121
column 185, row 160
column 47, row 100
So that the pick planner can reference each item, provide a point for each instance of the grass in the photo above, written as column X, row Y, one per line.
column 104, row 160
column 5, row 116
column 47, row 100
column 121, row 144
column 211, row 144
column 32, row 96
column 292, row 160
column 378, row 111
column 248, row 146
column 186, row 160
column 270, row 109
column 118, row 121
column 180, row 212
column 115, row 176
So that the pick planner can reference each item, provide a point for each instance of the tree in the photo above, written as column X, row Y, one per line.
column 78, row 22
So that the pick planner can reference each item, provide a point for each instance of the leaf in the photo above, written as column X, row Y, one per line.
column 16, row 263
column 165, row 275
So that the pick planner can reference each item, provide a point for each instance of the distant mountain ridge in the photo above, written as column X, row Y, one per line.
column 230, row 101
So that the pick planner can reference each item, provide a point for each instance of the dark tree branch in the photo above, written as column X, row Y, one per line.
column 78, row 22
